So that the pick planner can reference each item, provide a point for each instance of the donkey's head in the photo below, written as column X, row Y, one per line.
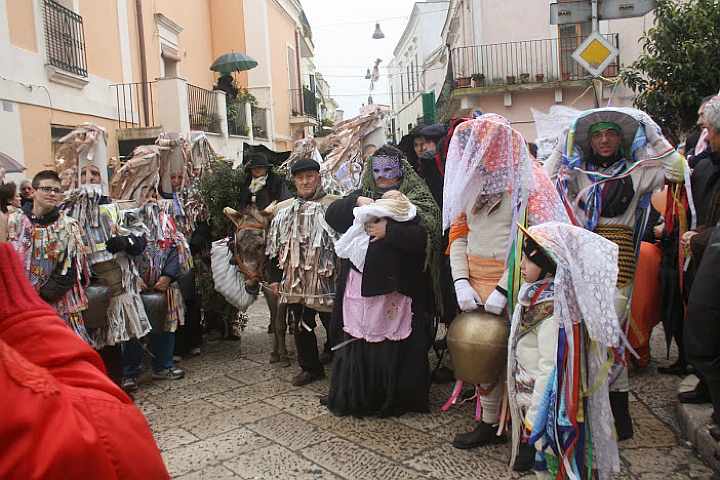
column 249, row 242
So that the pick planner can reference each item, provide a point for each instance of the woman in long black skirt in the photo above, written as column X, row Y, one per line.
column 382, row 322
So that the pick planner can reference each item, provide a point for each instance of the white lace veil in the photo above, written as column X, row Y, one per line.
column 584, row 293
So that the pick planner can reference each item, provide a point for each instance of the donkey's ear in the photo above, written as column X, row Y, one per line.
column 269, row 211
column 233, row 215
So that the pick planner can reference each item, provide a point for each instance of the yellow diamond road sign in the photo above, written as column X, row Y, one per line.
column 595, row 54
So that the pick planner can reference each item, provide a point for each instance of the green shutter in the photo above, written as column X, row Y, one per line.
column 428, row 102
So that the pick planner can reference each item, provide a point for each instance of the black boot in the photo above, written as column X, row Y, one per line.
column 679, row 368
column 699, row 394
column 484, row 434
column 525, row 459
column 621, row 411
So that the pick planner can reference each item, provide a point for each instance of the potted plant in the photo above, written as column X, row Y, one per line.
column 539, row 77
column 524, row 77
column 462, row 82
column 510, row 79
column 478, row 80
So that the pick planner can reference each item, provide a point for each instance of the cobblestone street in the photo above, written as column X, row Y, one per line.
column 235, row 416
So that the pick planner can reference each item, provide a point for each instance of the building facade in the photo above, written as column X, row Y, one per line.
column 496, row 67
column 138, row 67
column 417, row 70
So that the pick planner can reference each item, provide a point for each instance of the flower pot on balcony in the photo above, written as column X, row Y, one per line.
column 539, row 77
column 524, row 77
column 478, row 80
column 462, row 82
column 510, row 79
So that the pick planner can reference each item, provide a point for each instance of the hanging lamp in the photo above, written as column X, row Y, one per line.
column 367, row 75
column 378, row 33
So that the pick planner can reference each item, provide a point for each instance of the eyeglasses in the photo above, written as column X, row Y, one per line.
column 54, row 190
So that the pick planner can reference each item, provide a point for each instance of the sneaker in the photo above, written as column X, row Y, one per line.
column 195, row 351
column 129, row 384
column 303, row 378
column 177, row 358
column 169, row 374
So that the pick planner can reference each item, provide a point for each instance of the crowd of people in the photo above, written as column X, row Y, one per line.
column 563, row 256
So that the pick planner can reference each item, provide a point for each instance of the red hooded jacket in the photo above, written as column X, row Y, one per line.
column 62, row 417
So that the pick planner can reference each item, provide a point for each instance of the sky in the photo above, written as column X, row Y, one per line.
column 344, row 47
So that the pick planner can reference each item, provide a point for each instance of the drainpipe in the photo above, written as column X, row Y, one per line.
column 143, row 60
column 299, row 73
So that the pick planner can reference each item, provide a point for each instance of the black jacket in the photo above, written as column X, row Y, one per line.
column 705, row 182
column 275, row 190
column 393, row 264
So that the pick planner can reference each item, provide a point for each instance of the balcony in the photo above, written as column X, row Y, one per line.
column 303, row 108
column 522, row 65
column 144, row 110
column 203, row 109
column 65, row 45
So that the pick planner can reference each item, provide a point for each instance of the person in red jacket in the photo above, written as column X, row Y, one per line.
column 63, row 417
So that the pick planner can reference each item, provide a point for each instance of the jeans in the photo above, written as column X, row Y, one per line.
column 132, row 358
column 162, row 346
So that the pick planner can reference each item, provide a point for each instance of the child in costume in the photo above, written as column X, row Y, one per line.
column 562, row 327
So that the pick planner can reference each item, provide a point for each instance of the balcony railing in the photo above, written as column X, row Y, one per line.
column 202, row 109
column 303, row 103
column 531, row 61
column 259, row 122
column 64, row 38
column 237, row 118
column 130, row 99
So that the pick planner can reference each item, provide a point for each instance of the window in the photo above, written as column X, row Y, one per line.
column 64, row 38
column 170, row 60
column 571, row 36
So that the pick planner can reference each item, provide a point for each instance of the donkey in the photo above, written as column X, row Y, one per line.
column 249, row 255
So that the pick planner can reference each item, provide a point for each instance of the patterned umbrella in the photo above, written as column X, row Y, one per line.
column 9, row 164
column 233, row 62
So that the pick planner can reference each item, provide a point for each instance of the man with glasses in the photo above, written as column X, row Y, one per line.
column 51, row 247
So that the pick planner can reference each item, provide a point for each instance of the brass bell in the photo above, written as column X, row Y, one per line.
column 478, row 345
column 378, row 33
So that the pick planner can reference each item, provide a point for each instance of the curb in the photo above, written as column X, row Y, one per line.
column 694, row 421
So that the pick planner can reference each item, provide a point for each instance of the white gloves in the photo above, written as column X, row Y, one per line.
column 468, row 300
column 495, row 303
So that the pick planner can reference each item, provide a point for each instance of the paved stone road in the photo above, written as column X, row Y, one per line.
column 237, row 417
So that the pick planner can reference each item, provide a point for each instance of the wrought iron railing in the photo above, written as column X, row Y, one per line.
column 237, row 119
column 130, row 99
column 531, row 61
column 259, row 122
column 202, row 108
column 64, row 38
column 303, row 103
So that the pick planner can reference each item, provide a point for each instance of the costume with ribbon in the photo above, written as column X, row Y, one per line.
column 558, row 356
column 491, row 184
column 611, row 196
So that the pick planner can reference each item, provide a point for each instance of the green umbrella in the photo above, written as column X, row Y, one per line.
column 233, row 62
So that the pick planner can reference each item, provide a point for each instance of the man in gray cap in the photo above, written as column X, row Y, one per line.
column 302, row 244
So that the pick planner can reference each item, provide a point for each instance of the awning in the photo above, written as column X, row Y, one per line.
column 10, row 164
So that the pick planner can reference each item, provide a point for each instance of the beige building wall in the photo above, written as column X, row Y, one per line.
column 282, row 36
column 102, row 38
column 21, row 24
column 227, row 18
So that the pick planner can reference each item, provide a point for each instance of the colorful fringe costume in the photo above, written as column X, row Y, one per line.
column 572, row 428
column 126, row 314
column 55, row 248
